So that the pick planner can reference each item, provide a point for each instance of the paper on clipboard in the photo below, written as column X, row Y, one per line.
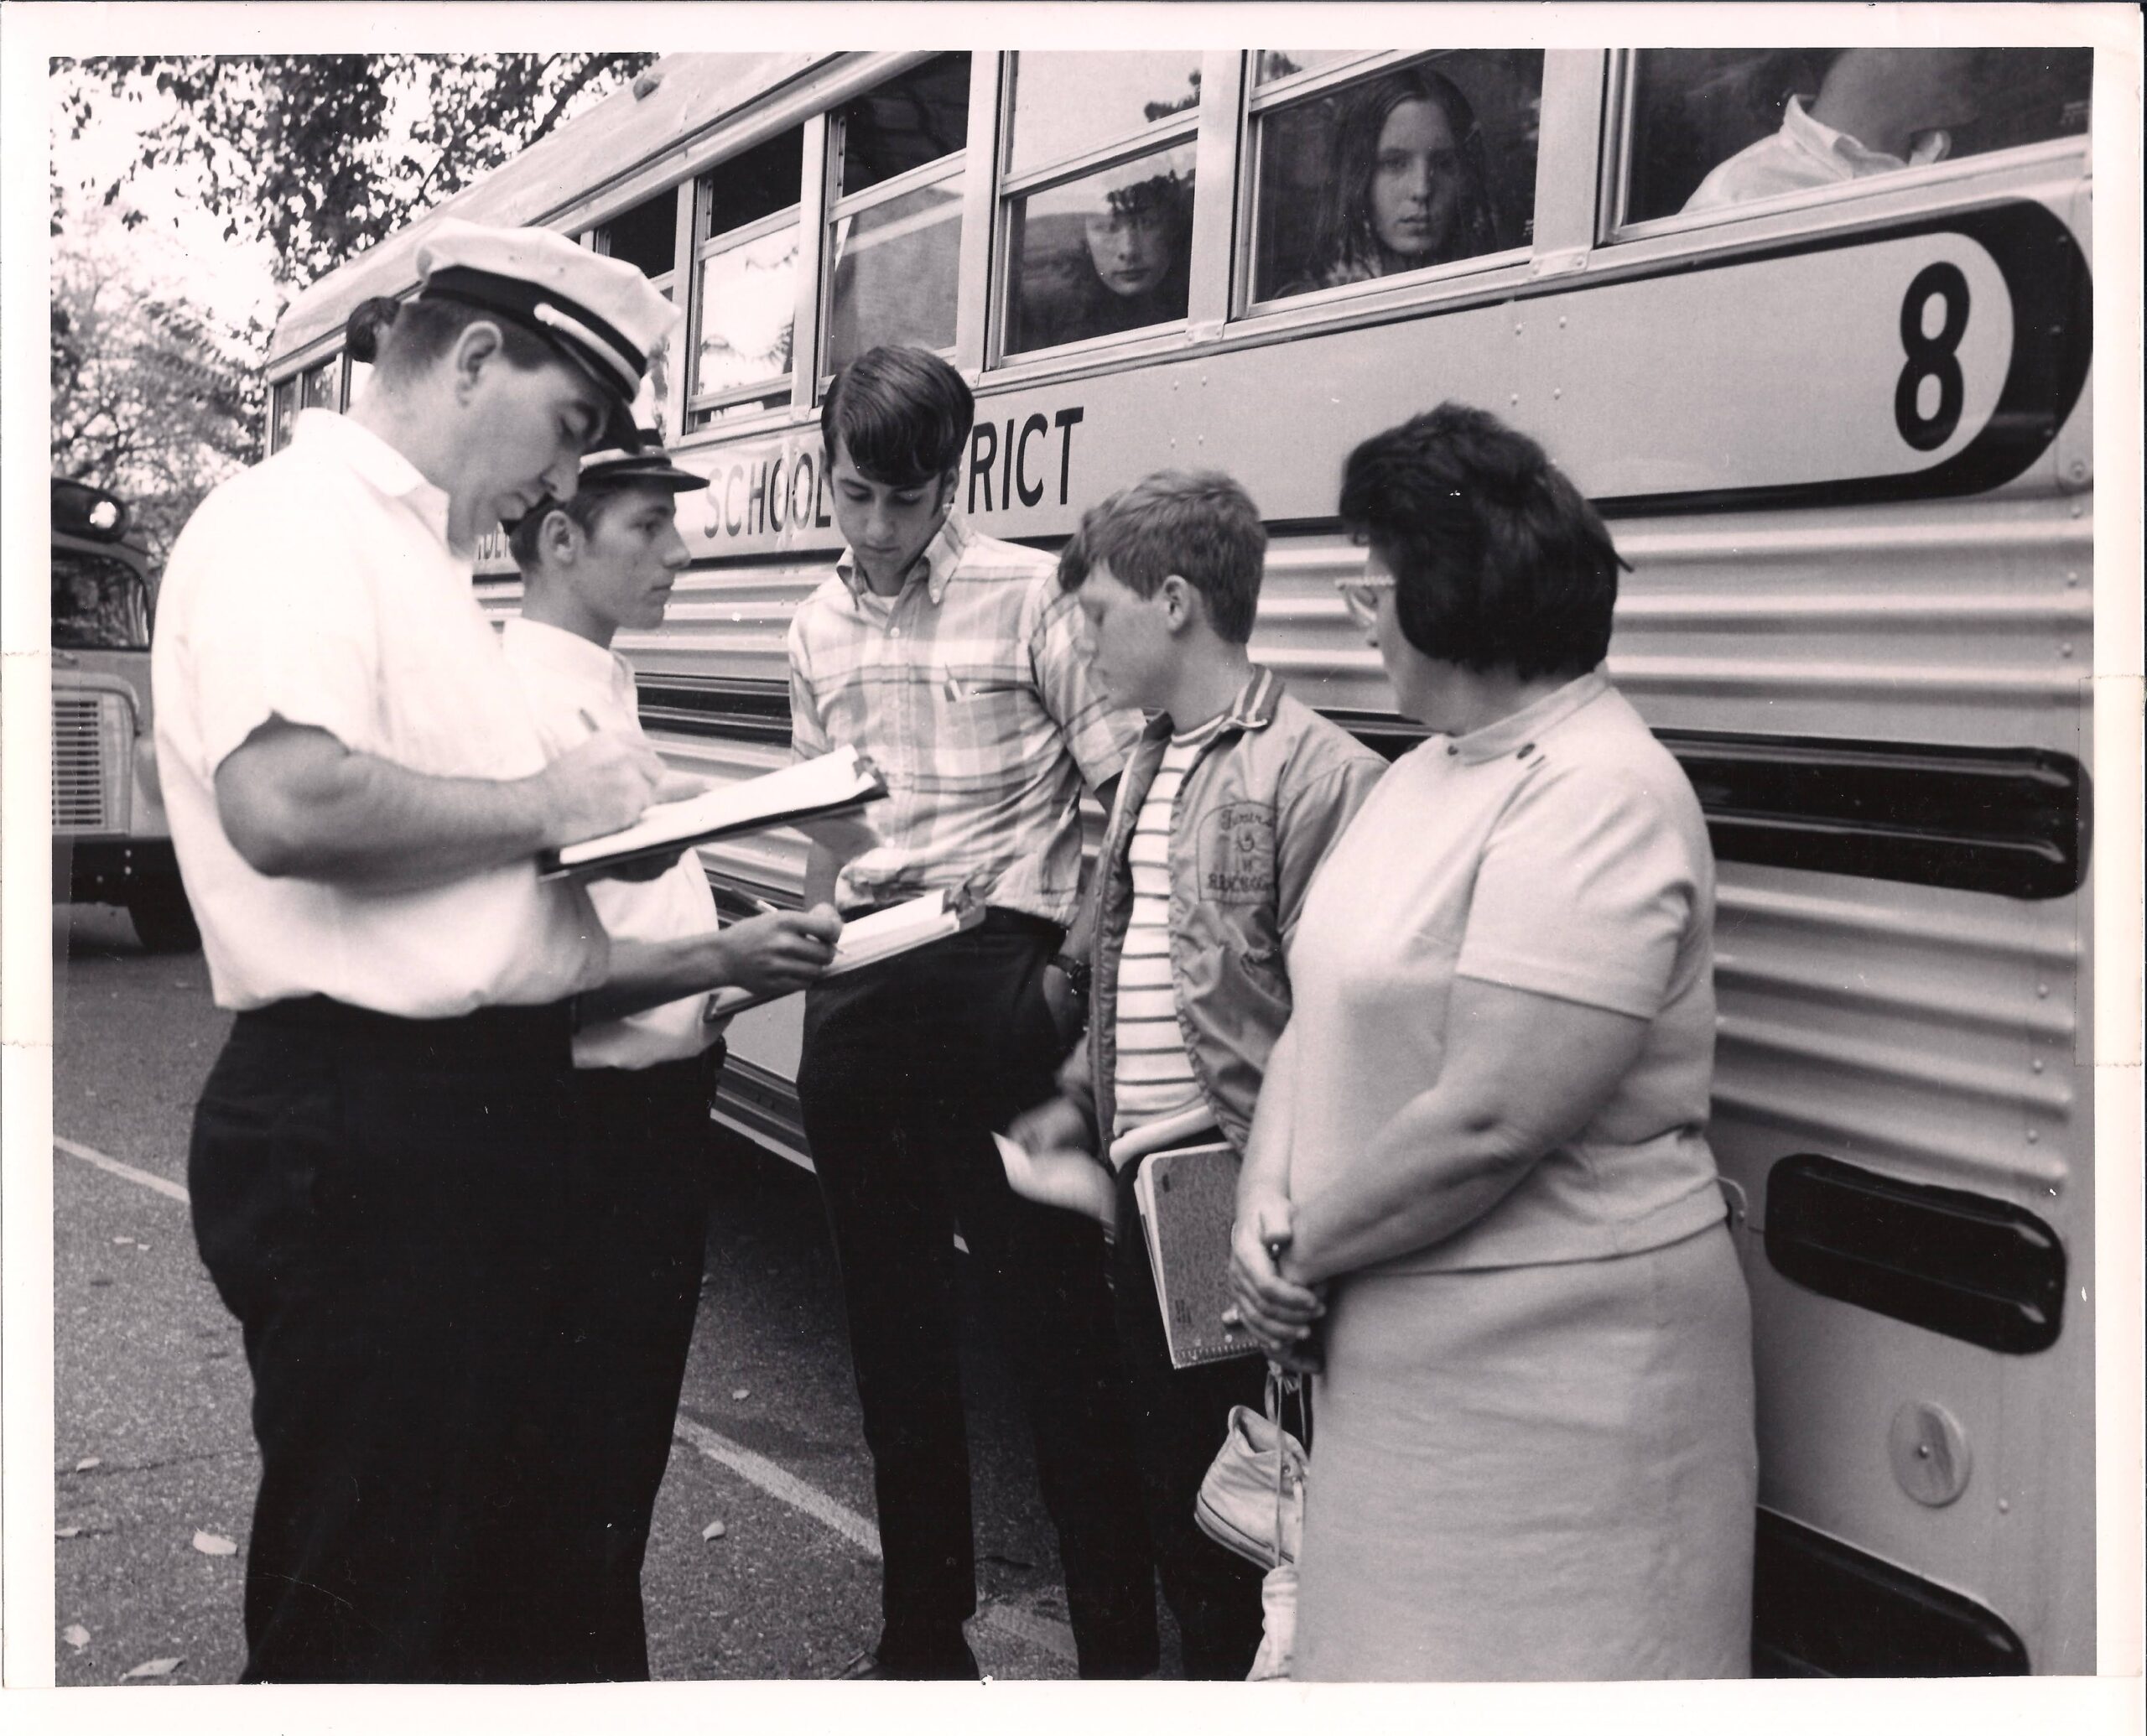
column 838, row 783
column 868, row 939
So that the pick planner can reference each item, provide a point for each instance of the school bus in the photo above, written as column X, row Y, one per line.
column 110, row 842
column 1843, row 433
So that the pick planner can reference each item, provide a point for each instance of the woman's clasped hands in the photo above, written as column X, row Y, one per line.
column 1271, row 1303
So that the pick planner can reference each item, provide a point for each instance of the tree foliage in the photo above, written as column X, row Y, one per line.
column 325, row 154
column 150, row 398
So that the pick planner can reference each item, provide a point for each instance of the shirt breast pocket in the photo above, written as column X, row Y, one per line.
column 983, row 707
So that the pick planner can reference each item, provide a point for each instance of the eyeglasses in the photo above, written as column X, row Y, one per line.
column 1361, row 594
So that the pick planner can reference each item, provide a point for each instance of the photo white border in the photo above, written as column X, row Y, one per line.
column 29, row 34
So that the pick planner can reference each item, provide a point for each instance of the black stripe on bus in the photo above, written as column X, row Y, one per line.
column 1820, row 1607
column 716, row 706
column 1959, row 1264
column 2012, row 821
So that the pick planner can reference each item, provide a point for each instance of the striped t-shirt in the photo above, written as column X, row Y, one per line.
column 1154, row 1074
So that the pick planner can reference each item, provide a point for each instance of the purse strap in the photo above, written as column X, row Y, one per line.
column 1281, row 1380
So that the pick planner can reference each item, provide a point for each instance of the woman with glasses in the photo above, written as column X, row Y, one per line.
column 1410, row 187
column 1478, row 1194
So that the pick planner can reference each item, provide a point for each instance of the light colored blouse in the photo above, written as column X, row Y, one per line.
column 1560, row 850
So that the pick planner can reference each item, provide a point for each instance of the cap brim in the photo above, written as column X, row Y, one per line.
column 656, row 473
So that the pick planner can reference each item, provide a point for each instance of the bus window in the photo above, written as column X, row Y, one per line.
column 98, row 603
column 1716, row 127
column 895, row 228
column 1094, row 252
column 1415, row 165
column 1067, row 104
column 283, row 412
column 746, row 218
column 646, row 235
column 322, row 386
column 1288, row 63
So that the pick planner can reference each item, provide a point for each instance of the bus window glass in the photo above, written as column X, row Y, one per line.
column 646, row 235
column 895, row 268
column 98, row 603
column 748, row 234
column 1066, row 103
column 360, row 372
column 1288, row 63
column 320, row 386
column 1102, row 254
column 1716, row 128
column 905, row 123
column 748, row 294
column 1415, row 165
column 282, row 411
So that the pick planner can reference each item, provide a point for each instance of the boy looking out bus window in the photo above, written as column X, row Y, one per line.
column 1229, row 803
column 603, row 560
column 955, row 661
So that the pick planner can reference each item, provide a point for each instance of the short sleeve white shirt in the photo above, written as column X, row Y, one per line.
column 1805, row 153
column 1561, row 851
column 564, row 678
column 319, row 587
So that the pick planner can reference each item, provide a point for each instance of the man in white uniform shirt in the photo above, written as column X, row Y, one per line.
column 357, row 795
column 604, row 560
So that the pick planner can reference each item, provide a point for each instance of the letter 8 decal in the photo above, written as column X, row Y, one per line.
column 1931, row 357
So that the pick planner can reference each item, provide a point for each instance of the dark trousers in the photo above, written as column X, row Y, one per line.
column 908, row 1067
column 384, row 1205
column 1179, row 1419
column 641, row 1192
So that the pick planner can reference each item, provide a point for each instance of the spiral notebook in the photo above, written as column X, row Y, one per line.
column 1188, row 1200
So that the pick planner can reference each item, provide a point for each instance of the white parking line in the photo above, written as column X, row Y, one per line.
column 126, row 1171
column 765, row 1473
column 1054, row 1637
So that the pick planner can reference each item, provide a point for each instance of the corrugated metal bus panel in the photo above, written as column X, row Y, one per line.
column 1928, row 1035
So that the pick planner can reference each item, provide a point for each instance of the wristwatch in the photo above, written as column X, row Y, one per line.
column 1078, row 973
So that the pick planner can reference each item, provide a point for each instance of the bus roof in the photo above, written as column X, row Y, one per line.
column 682, row 95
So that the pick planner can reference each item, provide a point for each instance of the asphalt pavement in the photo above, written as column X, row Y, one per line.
column 154, row 1460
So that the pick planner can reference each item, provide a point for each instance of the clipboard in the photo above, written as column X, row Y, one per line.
column 868, row 939
column 833, row 785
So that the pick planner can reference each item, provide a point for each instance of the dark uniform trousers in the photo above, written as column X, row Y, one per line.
column 1180, row 1416
column 908, row 1067
column 385, row 1205
column 641, row 1173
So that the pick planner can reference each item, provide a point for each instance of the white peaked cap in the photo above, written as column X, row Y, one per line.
column 603, row 314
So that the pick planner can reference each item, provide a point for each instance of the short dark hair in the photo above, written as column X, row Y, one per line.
column 1499, row 562
column 584, row 507
column 1199, row 524
column 403, row 339
column 901, row 413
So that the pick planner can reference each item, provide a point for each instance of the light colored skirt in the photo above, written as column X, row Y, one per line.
column 1533, row 1473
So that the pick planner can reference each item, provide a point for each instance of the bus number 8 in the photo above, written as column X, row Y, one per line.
column 1931, row 358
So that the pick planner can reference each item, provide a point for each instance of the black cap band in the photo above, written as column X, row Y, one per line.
column 527, row 306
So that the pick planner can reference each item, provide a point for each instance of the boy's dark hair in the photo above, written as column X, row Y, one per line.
column 584, row 508
column 1499, row 562
column 902, row 414
column 1199, row 524
column 403, row 339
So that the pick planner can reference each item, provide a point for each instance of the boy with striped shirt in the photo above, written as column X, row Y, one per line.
column 1229, row 803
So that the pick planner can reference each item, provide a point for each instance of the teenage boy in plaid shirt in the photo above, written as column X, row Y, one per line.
column 955, row 662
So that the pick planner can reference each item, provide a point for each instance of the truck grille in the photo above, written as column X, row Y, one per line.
column 89, row 745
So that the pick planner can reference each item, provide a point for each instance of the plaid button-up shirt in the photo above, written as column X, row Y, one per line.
column 971, row 692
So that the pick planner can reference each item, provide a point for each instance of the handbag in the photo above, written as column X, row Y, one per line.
column 1252, row 1500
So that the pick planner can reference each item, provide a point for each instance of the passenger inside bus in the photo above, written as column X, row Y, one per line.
column 1408, row 186
column 1877, row 111
column 1116, row 265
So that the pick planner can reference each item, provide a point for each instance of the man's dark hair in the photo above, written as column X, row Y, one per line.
column 901, row 413
column 584, row 508
column 403, row 340
column 1199, row 524
column 1499, row 562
